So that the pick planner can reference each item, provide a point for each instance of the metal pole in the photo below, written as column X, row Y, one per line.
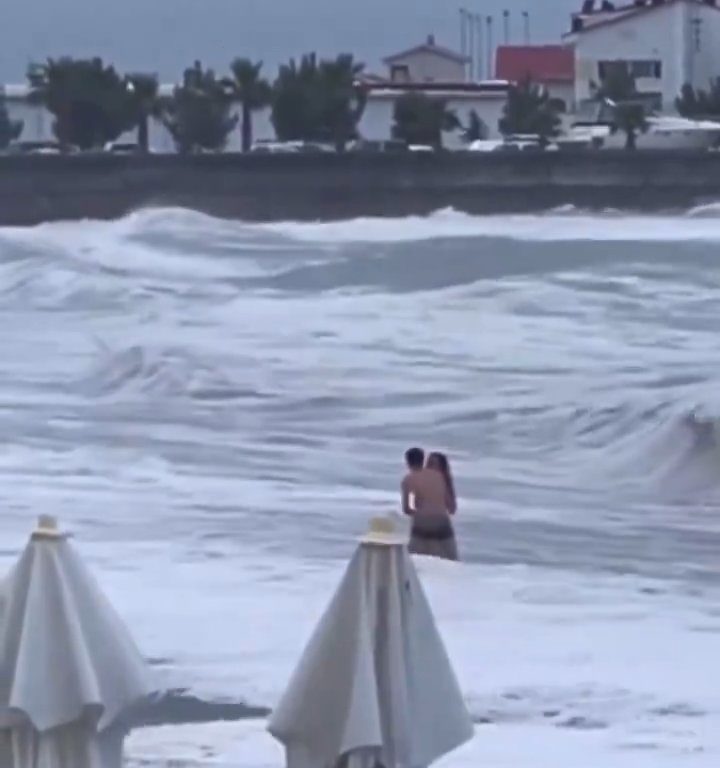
column 506, row 26
column 526, row 25
column 463, row 36
column 490, row 68
column 471, row 45
column 477, row 18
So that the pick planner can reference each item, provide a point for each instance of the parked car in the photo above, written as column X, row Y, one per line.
column 123, row 147
column 35, row 148
column 265, row 147
column 365, row 145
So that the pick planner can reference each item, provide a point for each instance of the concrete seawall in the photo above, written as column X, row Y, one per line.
column 273, row 187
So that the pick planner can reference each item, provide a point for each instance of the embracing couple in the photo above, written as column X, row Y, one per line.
column 428, row 496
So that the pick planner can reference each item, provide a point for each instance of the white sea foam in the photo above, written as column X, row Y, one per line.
column 233, row 745
column 556, row 226
column 575, row 665
column 215, row 408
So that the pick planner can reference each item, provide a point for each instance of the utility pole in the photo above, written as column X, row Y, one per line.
column 463, row 35
column 471, row 45
column 477, row 18
column 490, row 68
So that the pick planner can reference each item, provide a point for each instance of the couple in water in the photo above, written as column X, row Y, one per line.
column 428, row 496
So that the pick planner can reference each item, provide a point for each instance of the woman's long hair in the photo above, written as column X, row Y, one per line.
column 440, row 462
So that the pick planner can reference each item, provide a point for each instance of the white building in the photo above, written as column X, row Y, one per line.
column 437, row 72
column 427, row 63
column 663, row 43
column 487, row 100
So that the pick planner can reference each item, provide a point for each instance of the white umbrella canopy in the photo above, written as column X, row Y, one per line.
column 374, row 684
column 69, row 670
column 5, row 744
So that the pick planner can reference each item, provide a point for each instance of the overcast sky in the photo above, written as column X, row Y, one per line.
column 163, row 36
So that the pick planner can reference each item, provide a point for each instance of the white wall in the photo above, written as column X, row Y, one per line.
column 377, row 121
column 564, row 91
column 665, row 34
column 654, row 35
column 38, row 124
column 703, row 59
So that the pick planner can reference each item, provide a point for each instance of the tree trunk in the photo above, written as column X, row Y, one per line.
column 631, row 143
column 143, row 137
column 247, row 132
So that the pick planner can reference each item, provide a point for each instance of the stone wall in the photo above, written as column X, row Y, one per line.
column 266, row 187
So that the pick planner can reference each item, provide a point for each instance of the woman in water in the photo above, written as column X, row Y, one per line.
column 432, row 530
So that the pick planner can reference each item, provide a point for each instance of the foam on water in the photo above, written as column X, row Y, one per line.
column 215, row 408
column 560, row 225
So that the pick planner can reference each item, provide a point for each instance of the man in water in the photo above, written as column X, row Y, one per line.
column 425, row 499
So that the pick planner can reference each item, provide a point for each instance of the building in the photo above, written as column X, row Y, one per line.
column 427, row 63
column 663, row 44
column 552, row 66
column 487, row 100
column 437, row 72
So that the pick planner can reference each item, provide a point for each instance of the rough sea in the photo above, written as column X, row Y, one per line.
column 215, row 409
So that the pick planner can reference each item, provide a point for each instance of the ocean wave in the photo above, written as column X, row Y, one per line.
column 707, row 210
column 189, row 254
column 661, row 447
column 189, row 227
column 555, row 226
column 157, row 372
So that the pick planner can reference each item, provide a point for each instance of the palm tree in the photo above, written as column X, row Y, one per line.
column 618, row 91
column 421, row 119
column 318, row 100
column 198, row 115
column 143, row 91
column 344, row 99
column 88, row 99
column 252, row 91
column 699, row 103
column 529, row 109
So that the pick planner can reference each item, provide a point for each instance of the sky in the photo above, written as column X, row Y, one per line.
column 164, row 36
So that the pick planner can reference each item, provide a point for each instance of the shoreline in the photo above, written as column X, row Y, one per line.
column 36, row 189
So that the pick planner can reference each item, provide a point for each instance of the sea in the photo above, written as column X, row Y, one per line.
column 214, row 409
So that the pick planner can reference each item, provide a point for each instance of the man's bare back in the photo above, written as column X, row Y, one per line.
column 428, row 490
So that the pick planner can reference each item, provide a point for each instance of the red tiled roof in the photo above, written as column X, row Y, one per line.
column 542, row 63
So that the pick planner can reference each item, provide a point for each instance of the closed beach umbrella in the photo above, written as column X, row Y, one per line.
column 374, row 684
column 5, row 744
column 69, row 670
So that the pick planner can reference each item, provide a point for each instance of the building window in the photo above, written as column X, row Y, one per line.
column 400, row 73
column 646, row 68
column 651, row 69
column 606, row 68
